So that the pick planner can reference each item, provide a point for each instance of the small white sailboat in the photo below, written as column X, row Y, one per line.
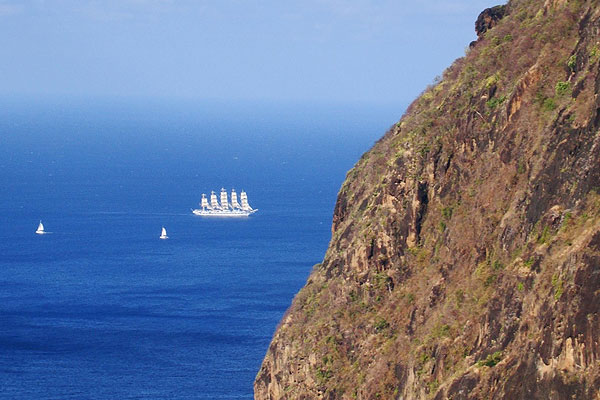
column 163, row 233
column 40, row 229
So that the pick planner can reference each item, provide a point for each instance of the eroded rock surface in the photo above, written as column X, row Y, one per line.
column 489, row 18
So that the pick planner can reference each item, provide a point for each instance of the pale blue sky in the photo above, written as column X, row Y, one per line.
column 370, row 51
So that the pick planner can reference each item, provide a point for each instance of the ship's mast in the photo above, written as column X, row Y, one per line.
column 213, row 201
column 224, row 202
column 234, row 200
column 244, row 199
column 204, row 203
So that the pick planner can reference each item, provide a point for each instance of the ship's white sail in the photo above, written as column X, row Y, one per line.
column 40, row 229
column 244, row 199
column 213, row 201
column 163, row 233
column 234, row 201
column 224, row 202
column 204, row 203
column 225, row 209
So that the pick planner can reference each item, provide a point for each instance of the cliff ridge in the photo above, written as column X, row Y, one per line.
column 465, row 253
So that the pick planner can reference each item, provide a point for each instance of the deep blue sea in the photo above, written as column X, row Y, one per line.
column 101, row 308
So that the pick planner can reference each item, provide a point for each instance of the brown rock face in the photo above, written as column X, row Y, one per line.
column 465, row 253
column 489, row 18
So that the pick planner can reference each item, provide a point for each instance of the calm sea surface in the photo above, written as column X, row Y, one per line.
column 103, row 309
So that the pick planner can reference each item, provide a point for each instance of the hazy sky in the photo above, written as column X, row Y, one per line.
column 382, row 51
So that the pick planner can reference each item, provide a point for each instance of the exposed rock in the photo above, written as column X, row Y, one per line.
column 489, row 18
column 465, row 253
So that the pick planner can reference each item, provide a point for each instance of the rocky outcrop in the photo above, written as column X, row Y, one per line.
column 489, row 18
column 465, row 253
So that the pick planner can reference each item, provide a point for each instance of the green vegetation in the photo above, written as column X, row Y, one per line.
column 459, row 297
column 562, row 88
column 441, row 330
column 489, row 280
column 495, row 102
column 381, row 324
column 565, row 222
column 488, row 271
column 594, row 53
column 529, row 262
column 544, row 236
column 323, row 375
column 492, row 80
column 491, row 360
column 442, row 226
column 446, row 215
column 572, row 62
column 557, row 284
column 447, row 212
column 549, row 104
column 433, row 386
column 497, row 265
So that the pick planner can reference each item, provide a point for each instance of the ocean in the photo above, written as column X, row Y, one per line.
column 100, row 308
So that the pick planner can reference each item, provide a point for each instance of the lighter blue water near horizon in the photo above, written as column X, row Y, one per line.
column 103, row 309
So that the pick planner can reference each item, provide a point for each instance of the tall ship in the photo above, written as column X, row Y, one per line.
column 223, row 207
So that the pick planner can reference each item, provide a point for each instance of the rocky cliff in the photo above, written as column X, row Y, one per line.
column 465, row 253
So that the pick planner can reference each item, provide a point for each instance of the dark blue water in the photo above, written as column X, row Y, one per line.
column 103, row 309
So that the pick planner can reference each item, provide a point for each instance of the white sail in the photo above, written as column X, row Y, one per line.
column 234, row 201
column 40, row 229
column 163, row 233
column 244, row 199
column 213, row 201
column 224, row 202
column 204, row 203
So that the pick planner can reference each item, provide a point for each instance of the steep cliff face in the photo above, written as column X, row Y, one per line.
column 465, row 253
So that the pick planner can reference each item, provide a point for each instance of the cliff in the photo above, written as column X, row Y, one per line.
column 465, row 253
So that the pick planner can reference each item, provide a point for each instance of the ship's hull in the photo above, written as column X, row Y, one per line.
column 223, row 213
